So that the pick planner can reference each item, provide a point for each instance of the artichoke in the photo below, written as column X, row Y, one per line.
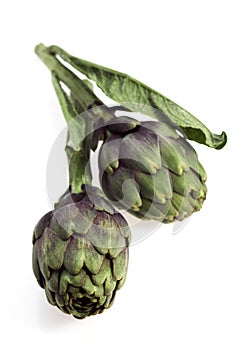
column 151, row 170
column 80, row 253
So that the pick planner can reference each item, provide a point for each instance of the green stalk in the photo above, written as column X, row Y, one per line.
column 83, row 93
column 78, row 152
column 78, row 159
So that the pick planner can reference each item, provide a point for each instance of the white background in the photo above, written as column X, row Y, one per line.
column 184, row 291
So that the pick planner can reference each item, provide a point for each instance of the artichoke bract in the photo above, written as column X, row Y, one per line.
column 149, row 169
column 80, row 253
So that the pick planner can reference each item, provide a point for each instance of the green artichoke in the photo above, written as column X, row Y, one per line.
column 151, row 170
column 80, row 253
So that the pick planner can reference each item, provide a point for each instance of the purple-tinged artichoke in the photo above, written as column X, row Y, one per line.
column 80, row 253
column 151, row 170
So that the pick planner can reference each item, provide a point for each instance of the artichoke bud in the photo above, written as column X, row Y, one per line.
column 167, row 180
column 80, row 253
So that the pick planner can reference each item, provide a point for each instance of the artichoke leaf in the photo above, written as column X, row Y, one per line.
column 135, row 95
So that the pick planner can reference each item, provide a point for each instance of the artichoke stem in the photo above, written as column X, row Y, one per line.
column 79, row 168
column 81, row 91
column 79, row 171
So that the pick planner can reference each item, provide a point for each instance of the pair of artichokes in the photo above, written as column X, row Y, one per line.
column 81, row 248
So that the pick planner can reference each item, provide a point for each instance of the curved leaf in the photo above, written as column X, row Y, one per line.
column 136, row 95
